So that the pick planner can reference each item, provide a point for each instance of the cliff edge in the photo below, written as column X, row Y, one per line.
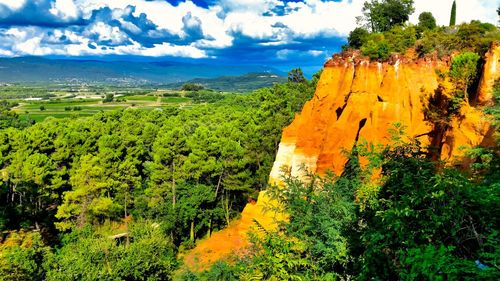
column 357, row 99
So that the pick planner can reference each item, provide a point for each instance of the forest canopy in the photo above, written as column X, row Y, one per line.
column 156, row 180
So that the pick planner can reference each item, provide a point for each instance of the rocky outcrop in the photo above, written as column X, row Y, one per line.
column 361, row 100
column 491, row 69
column 356, row 99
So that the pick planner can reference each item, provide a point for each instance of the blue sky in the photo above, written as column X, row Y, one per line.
column 281, row 33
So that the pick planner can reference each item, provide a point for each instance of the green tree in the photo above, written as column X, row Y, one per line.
column 464, row 70
column 357, row 37
column 108, row 98
column 24, row 261
column 90, row 200
column 192, row 87
column 376, row 50
column 91, row 254
column 453, row 15
column 426, row 21
column 382, row 15
column 427, row 224
column 296, row 76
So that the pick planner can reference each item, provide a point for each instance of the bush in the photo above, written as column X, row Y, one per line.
column 400, row 38
column 87, row 255
column 357, row 37
column 24, row 261
column 108, row 98
column 192, row 87
column 472, row 37
column 376, row 50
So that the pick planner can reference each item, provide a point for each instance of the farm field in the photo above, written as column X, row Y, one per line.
column 38, row 110
column 39, row 105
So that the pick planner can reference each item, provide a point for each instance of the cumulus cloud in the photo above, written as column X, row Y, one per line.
column 243, row 30
column 48, row 13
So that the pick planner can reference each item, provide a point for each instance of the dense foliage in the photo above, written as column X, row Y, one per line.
column 163, row 177
column 382, row 15
column 191, row 87
column 9, row 118
column 390, row 33
column 415, row 223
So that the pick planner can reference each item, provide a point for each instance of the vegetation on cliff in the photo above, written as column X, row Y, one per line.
column 405, row 215
column 384, row 33
column 415, row 224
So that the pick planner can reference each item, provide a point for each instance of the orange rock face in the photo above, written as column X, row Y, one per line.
column 361, row 100
column 490, row 74
column 234, row 239
column 355, row 99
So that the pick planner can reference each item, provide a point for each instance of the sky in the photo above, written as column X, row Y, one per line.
column 286, row 33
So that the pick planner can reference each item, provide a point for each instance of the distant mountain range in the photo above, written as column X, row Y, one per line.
column 242, row 83
column 37, row 69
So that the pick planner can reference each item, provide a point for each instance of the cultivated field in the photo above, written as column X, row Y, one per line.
column 59, row 102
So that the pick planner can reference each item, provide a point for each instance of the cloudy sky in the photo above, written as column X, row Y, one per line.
column 278, row 32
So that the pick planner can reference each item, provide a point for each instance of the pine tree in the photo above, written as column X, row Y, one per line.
column 453, row 16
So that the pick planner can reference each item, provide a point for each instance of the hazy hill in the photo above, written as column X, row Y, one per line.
column 242, row 83
column 36, row 69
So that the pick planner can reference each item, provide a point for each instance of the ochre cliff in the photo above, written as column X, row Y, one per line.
column 489, row 76
column 356, row 99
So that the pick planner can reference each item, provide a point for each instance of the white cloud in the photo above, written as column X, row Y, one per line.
column 315, row 17
column 18, row 33
column 64, row 9
column 255, row 6
column 32, row 46
column 105, row 32
column 6, row 53
column 273, row 23
column 13, row 4
column 166, row 49
column 283, row 54
column 316, row 53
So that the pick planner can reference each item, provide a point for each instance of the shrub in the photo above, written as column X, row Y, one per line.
column 24, row 261
column 464, row 70
column 108, row 98
column 357, row 37
column 400, row 38
column 87, row 255
column 376, row 50
column 192, row 87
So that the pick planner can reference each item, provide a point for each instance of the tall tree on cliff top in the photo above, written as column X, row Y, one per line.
column 381, row 16
column 453, row 16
